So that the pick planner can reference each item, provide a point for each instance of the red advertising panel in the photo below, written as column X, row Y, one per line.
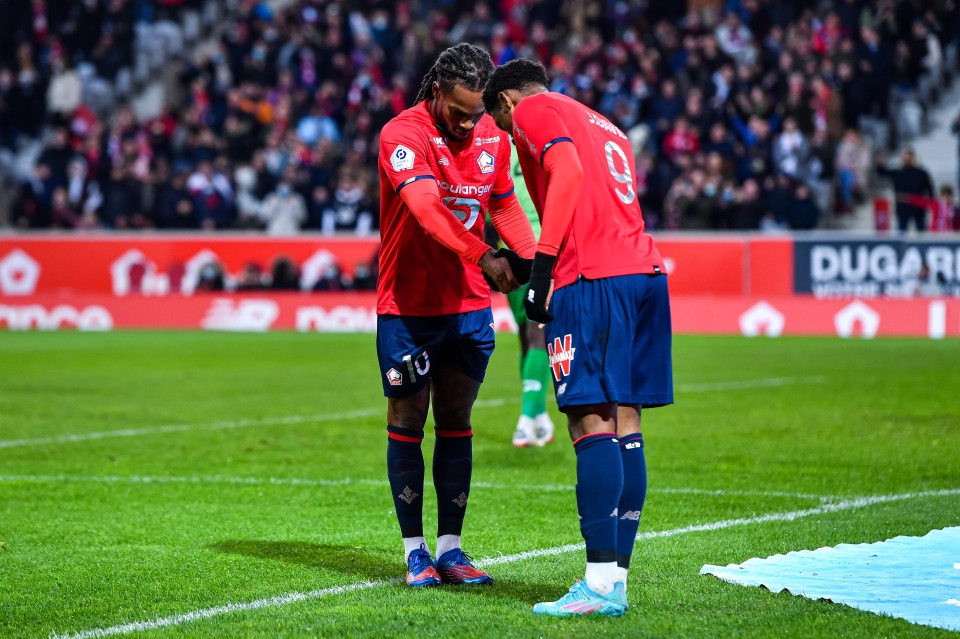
column 248, row 312
column 704, row 265
column 157, row 264
column 806, row 315
column 165, row 264
column 770, row 266
column 718, row 284
column 356, row 312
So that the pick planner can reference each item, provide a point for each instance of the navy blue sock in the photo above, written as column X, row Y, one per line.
column 405, row 472
column 599, row 482
column 452, row 467
column 633, row 495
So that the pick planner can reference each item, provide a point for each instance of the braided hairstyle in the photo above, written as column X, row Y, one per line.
column 462, row 65
column 518, row 74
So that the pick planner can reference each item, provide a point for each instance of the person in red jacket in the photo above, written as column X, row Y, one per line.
column 443, row 166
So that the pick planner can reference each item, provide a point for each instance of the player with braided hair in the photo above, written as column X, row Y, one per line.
column 464, row 65
column 443, row 167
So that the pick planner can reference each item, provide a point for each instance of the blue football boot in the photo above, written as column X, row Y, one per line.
column 420, row 570
column 456, row 567
column 583, row 601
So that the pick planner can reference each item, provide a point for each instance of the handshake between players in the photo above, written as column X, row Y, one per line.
column 520, row 271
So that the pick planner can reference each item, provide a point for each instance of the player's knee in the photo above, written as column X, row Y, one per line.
column 408, row 412
column 628, row 419
column 412, row 420
column 590, row 419
column 452, row 417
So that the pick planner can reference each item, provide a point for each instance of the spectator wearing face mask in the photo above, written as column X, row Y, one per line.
column 349, row 210
column 284, row 211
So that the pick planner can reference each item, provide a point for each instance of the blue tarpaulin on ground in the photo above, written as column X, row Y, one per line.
column 914, row 578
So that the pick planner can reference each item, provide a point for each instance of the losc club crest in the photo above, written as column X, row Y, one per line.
column 394, row 377
column 485, row 162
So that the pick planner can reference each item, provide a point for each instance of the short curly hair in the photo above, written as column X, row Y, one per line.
column 517, row 74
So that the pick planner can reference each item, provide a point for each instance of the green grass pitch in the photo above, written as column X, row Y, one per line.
column 163, row 477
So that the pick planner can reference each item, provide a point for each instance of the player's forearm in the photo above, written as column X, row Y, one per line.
column 439, row 223
column 563, row 190
column 513, row 227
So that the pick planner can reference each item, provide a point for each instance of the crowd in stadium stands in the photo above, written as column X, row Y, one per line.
column 744, row 114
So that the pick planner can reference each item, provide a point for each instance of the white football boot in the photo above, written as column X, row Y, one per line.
column 524, row 435
column 542, row 429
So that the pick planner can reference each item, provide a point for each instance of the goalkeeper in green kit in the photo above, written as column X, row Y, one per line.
column 534, row 428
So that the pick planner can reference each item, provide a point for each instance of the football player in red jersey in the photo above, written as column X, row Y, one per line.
column 443, row 166
column 608, row 325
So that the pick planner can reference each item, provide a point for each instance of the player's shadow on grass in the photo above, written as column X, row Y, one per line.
column 348, row 560
column 513, row 589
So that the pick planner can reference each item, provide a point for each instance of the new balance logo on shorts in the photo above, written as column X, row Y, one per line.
column 561, row 354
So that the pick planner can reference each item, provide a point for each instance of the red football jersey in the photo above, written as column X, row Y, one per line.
column 606, row 236
column 418, row 275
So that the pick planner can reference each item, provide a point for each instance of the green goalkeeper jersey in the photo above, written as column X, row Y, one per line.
column 523, row 195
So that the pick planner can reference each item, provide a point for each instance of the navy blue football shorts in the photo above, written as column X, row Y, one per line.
column 411, row 349
column 610, row 341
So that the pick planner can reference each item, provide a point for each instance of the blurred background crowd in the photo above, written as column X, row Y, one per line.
column 236, row 114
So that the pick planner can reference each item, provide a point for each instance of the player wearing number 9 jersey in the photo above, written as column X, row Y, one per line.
column 443, row 166
column 607, row 328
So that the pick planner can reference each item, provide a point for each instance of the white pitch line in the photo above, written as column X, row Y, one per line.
column 349, row 481
column 268, row 602
column 210, row 479
column 745, row 493
column 293, row 597
column 738, row 384
column 179, row 428
column 238, row 423
column 370, row 412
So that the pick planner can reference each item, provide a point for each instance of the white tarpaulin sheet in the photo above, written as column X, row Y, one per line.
column 914, row 578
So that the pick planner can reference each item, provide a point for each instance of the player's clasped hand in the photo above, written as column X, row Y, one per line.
column 538, row 293
column 497, row 272
column 521, row 267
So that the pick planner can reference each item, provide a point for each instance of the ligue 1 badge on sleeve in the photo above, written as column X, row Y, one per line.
column 402, row 158
column 485, row 162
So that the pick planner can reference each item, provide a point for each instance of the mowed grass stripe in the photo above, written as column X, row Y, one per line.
column 350, row 481
column 294, row 597
column 225, row 425
column 747, row 384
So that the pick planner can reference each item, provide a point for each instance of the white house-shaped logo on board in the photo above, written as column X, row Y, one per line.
column 849, row 316
column 18, row 273
column 762, row 319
